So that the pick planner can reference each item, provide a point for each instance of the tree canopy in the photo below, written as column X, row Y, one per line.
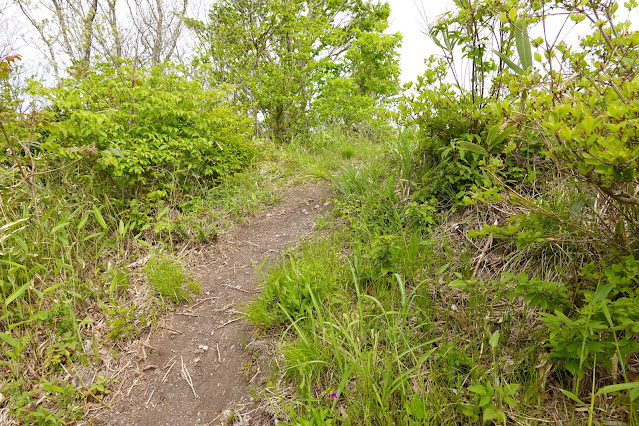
column 286, row 58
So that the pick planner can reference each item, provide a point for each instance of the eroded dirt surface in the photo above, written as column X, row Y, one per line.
column 208, row 338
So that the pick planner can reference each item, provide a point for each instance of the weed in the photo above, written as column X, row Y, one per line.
column 167, row 277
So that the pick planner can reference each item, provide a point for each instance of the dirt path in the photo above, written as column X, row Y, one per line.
column 208, row 337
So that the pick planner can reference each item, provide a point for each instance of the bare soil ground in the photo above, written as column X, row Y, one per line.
column 195, row 367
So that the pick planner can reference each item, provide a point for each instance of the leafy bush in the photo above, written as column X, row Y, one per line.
column 536, row 117
column 149, row 129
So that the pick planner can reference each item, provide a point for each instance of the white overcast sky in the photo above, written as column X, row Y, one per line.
column 407, row 17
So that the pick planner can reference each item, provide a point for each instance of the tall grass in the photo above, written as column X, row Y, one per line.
column 389, row 320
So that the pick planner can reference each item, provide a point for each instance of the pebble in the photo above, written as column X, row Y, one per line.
column 317, row 206
column 196, row 360
column 326, row 203
column 226, row 414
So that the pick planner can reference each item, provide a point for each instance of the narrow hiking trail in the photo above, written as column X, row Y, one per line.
column 204, row 343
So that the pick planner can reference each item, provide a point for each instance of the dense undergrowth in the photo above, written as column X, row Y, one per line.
column 485, row 269
column 112, row 168
column 108, row 184
column 393, row 315
column 480, row 266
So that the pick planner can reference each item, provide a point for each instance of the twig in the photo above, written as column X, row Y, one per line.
column 230, row 305
column 187, row 376
column 219, row 357
column 168, row 362
column 202, row 301
column 131, row 388
column 56, row 169
column 255, row 375
column 188, row 314
column 253, row 244
column 168, row 371
column 236, row 288
column 170, row 329
column 150, row 396
column 141, row 261
column 227, row 323
column 482, row 255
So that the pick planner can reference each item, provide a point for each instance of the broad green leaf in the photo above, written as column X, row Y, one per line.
column 511, row 389
column 96, row 234
column 513, row 66
column 443, row 269
column 478, row 389
column 53, row 287
column 512, row 14
column 59, row 226
column 83, row 221
column 52, row 388
column 601, row 293
column 485, row 400
column 494, row 339
column 510, row 401
column 458, row 284
column 617, row 388
column 523, row 44
column 493, row 413
column 98, row 215
column 9, row 339
column 16, row 294
column 472, row 147
column 496, row 135
column 21, row 243
column 573, row 397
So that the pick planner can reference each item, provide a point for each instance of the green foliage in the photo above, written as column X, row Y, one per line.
column 167, row 277
column 605, row 324
column 116, row 153
column 558, row 148
column 292, row 61
column 143, row 125
column 125, row 323
column 289, row 290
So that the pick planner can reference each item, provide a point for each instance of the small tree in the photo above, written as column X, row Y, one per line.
column 280, row 55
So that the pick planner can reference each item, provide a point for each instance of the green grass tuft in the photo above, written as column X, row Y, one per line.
column 167, row 277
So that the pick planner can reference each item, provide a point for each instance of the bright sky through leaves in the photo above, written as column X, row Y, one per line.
column 409, row 17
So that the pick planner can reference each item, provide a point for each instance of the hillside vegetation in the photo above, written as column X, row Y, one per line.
column 480, row 265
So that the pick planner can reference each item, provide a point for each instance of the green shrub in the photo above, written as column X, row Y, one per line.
column 148, row 129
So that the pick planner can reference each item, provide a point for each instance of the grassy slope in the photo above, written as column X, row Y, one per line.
column 385, row 318
column 73, row 294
